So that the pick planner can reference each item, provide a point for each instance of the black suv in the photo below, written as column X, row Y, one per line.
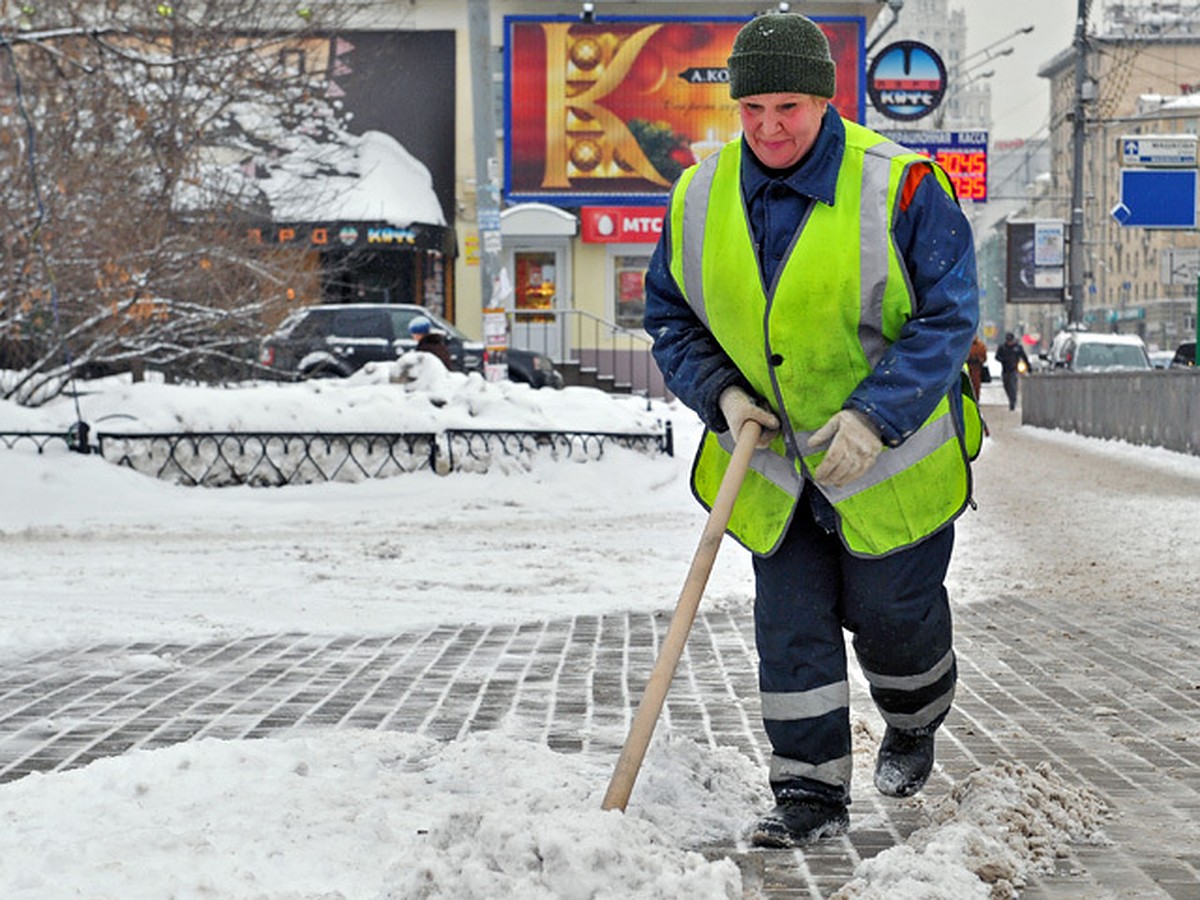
column 334, row 340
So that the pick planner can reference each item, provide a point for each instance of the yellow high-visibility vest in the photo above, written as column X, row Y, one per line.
column 840, row 298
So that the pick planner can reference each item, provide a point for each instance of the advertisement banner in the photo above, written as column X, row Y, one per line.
column 613, row 111
column 1036, row 261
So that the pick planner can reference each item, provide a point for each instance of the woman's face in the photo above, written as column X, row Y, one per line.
column 781, row 128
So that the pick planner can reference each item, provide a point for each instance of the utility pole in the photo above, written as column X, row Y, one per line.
column 1078, row 138
column 487, row 166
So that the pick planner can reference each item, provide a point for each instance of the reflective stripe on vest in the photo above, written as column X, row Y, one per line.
column 912, row 490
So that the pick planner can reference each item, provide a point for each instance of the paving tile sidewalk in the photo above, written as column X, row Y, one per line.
column 1127, row 730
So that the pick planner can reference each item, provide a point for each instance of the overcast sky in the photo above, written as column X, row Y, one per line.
column 1020, row 99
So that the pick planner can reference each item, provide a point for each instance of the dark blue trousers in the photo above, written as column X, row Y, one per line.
column 897, row 609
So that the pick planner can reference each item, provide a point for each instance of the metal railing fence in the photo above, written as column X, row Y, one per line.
column 270, row 459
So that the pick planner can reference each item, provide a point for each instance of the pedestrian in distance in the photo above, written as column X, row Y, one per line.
column 430, row 339
column 819, row 280
column 977, row 364
column 1013, row 361
column 977, row 371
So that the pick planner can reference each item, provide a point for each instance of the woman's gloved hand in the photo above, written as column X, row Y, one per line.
column 854, row 443
column 739, row 407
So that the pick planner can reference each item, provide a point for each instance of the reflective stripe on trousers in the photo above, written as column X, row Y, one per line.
column 940, row 677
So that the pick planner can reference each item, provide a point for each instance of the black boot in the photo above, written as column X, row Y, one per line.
column 904, row 763
column 798, row 821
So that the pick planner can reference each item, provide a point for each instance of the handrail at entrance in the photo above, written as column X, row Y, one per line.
column 617, row 357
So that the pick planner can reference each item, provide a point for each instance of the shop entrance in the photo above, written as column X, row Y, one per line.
column 540, row 277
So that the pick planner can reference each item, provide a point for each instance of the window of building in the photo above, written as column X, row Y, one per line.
column 536, row 282
column 629, row 287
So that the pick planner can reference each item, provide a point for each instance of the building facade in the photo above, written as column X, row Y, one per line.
column 1015, row 168
column 1143, row 81
column 584, row 183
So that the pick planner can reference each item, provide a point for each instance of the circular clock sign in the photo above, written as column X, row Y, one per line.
column 906, row 80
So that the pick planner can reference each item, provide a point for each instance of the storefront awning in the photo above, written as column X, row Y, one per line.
column 537, row 220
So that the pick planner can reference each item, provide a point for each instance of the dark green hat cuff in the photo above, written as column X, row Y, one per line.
column 762, row 73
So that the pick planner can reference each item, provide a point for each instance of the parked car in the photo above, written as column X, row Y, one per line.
column 1053, row 358
column 1185, row 355
column 1087, row 351
column 1161, row 359
column 335, row 340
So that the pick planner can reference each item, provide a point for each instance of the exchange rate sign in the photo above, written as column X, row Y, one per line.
column 967, row 169
column 963, row 154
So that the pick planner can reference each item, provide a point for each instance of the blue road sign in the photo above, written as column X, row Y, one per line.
column 1157, row 198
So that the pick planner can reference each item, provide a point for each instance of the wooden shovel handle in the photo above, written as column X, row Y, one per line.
column 642, row 729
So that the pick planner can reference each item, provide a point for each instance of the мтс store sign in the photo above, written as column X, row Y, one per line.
column 621, row 224
column 613, row 111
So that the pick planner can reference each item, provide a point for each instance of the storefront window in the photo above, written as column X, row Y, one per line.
column 629, row 289
column 536, row 281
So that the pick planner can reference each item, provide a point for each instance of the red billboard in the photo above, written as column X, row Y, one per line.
column 612, row 111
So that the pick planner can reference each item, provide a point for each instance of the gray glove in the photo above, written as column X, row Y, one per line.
column 853, row 445
column 739, row 407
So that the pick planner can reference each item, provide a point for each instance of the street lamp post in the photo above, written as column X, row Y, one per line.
column 987, row 52
column 970, row 63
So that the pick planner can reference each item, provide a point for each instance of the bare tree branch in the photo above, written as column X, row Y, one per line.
column 124, row 243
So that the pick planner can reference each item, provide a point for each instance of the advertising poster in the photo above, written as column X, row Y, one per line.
column 1036, row 261
column 613, row 111
column 495, row 339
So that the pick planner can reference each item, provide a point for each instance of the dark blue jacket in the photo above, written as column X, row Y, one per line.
column 933, row 238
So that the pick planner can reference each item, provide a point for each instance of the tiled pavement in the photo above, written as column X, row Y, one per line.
column 1111, row 704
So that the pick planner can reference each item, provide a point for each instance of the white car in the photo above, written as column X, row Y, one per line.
column 1088, row 351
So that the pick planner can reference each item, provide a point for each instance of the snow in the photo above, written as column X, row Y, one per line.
column 95, row 552
column 377, row 180
column 993, row 829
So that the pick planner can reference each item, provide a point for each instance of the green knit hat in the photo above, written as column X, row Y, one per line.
column 781, row 53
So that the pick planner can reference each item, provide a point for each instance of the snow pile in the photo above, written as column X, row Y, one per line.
column 352, row 813
column 994, row 829
column 414, row 393
column 414, row 396
column 537, row 815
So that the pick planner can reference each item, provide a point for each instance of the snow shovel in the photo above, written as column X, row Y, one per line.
column 642, row 729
